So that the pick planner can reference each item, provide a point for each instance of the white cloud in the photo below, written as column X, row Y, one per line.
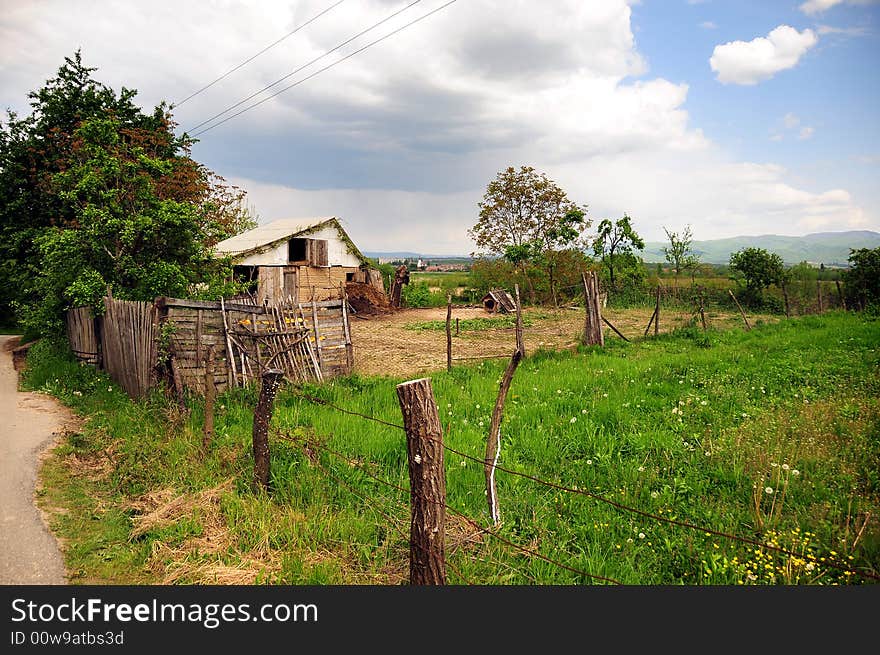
column 790, row 121
column 401, row 140
column 845, row 31
column 814, row 7
column 806, row 133
column 750, row 62
column 708, row 25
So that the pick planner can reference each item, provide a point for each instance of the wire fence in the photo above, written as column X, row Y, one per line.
column 559, row 487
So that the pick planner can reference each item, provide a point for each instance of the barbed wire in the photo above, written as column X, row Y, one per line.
column 456, row 512
column 371, row 502
column 613, row 503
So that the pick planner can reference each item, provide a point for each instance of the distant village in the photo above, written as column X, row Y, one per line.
column 428, row 265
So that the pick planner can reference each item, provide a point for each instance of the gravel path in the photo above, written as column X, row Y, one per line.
column 29, row 423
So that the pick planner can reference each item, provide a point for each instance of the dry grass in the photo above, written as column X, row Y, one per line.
column 383, row 345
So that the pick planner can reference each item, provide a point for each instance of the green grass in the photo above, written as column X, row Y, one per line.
column 474, row 324
column 691, row 426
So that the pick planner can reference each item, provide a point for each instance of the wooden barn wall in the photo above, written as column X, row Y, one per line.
column 323, row 282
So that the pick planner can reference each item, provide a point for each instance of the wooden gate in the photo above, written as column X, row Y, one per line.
column 129, row 344
column 83, row 336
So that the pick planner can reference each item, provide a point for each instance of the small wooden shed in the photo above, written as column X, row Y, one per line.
column 298, row 259
column 499, row 301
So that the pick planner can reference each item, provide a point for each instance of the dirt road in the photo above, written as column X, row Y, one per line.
column 29, row 422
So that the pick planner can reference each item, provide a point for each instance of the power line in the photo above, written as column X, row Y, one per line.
column 303, row 67
column 268, row 47
column 318, row 72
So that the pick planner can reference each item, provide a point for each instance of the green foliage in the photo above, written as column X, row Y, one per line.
column 757, row 269
column 614, row 244
column 678, row 253
column 862, row 280
column 528, row 219
column 474, row 324
column 97, row 193
column 417, row 294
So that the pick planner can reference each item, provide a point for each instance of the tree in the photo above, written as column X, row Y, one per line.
column 614, row 243
column 679, row 254
column 95, row 192
column 526, row 217
column 758, row 269
column 862, row 280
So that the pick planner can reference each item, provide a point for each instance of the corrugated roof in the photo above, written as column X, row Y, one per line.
column 263, row 235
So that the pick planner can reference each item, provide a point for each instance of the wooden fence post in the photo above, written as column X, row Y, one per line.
column 427, row 480
column 702, row 312
column 210, row 392
column 819, row 294
column 449, row 332
column 493, row 443
column 741, row 312
column 840, row 295
column 457, row 329
column 657, row 313
column 593, row 313
column 520, row 341
column 785, row 298
column 262, row 416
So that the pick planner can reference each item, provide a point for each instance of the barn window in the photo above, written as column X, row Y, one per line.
column 297, row 250
column 318, row 253
column 349, row 277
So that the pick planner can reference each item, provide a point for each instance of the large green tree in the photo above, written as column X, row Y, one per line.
column 91, row 191
column 614, row 244
column 756, row 269
column 862, row 280
column 528, row 218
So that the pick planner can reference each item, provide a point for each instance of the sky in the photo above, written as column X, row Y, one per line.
column 733, row 117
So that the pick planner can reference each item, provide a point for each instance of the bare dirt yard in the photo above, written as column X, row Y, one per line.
column 384, row 345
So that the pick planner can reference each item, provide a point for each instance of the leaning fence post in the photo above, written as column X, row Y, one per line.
column 427, row 481
column 741, row 312
column 520, row 342
column 262, row 416
column 210, row 392
column 493, row 443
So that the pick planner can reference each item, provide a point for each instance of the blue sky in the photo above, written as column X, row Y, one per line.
column 733, row 117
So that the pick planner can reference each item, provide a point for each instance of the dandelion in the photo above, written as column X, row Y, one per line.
column 583, row 411
column 450, row 413
column 785, row 467
column 559, row 391
column 774, row 464
column 641, row 469
column 655, row 494
column 604, row 395
column 481, row 424
column 77, row 393
column 795, row 472
column 768, row 490
column 704, row 402
column 463, row 463
column 629, row 540
column 641, row 535
column 589, row 462
column 108, row 388
column 478, row 407
column 573, row 419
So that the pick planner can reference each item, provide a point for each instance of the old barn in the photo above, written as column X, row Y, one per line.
column 298, row 259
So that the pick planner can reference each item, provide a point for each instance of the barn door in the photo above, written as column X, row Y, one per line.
column 290, row 284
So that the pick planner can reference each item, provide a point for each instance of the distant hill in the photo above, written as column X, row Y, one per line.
column 829, row 248
column 415, row 255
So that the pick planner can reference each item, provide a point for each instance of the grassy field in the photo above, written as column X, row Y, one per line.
column 772, row 435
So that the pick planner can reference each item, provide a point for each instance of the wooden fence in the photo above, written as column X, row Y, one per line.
column 83, row 335
column 140, row 341
column 128, row 344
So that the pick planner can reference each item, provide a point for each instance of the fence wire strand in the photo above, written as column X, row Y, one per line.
column 603, row 499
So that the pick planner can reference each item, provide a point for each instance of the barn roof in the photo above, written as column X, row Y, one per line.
column 269, row 235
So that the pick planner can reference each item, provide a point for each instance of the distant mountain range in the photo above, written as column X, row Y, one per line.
column 828, row 248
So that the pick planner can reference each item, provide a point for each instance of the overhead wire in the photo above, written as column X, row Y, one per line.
column 250, row 59
column 318, row 72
